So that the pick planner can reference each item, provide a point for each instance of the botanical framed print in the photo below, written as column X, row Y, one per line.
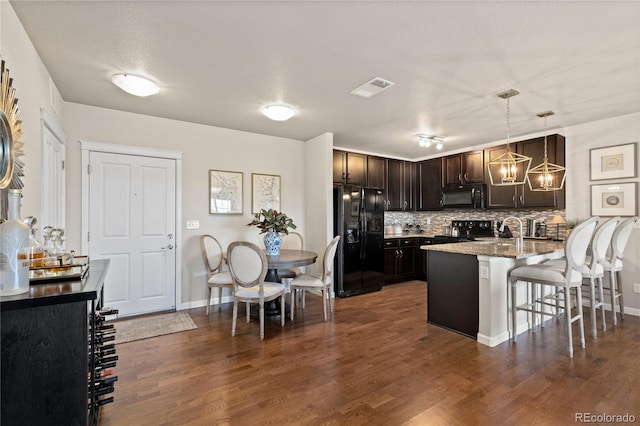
column 614, row 199
column 613, row 162
column 225, row 192
column 265, row 192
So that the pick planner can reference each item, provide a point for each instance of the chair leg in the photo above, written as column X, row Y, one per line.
column 294, row 293
column 567, row 321
column 261, row 320
column 592, row 305
column 219, row 298
column 619, row 294
column 323, row 293
column 235, row 318
column 514, row 333
column 580, row 317
column 282, row 310
column 612, row 291
column 248, row 312
column 208, row 300
column 601, row 302
column 304, row 299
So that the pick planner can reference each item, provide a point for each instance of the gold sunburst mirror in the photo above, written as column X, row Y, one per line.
column 11, row 167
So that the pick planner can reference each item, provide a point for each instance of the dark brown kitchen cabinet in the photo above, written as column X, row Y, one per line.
column 400, row 259
column 429, row 184
column 521, row 196
column 467, row 167
column 349, row 167
column 375, row 172
column 400, row 185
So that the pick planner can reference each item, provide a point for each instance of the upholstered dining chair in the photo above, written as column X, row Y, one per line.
column 248, row 266
column 613, row 265
column 563, row 281
column 593, row 270
column 318, row 284
column 214, row 260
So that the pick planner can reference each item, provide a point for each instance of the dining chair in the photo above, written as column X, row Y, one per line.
column 593, row 270
column 248, row 266
column 563, row 280
column 320, row 285
column 291, row 241
column 613, row 265
column 214, row 260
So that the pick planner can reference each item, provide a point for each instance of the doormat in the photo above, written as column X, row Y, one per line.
column 129, row 330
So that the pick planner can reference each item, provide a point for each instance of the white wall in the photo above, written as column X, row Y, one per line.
column 579, row 140
column 204, row 148
column 318, row 163
column 33, row 87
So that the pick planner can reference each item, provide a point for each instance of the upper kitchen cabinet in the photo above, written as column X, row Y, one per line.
column 429, row 184
column 375, row 172
column 349, row 167
column 520, row 196
column 467, row 167
column 400, row 185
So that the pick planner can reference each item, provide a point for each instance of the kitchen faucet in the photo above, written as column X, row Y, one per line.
column 520, row 240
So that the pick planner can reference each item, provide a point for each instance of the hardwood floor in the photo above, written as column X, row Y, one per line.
column 375, row 362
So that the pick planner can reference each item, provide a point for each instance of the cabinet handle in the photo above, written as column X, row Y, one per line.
column 405, row 204
column 343, row 176
column 460, row 178
column 522, row 199
column 466, row 176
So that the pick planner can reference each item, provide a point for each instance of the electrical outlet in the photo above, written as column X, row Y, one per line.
column 484, row 272
column 428, row 221
column 193, row 224
column 636, row 287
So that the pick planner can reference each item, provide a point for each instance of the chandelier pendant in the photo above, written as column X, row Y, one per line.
column 546, row 176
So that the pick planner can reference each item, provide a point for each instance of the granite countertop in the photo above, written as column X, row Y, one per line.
column 500, row 247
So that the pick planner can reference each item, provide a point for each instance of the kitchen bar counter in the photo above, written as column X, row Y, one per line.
column 495, row 258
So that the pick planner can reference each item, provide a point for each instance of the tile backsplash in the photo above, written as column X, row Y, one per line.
column 433, row 222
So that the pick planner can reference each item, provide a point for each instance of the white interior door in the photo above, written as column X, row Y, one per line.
column 53, row 175
column 132, row 222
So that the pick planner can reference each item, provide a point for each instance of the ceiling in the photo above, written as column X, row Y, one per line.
column 218, row 63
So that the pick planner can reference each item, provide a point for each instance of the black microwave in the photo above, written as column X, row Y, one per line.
column 471, row 196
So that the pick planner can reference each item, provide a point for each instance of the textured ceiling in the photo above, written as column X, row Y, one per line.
column 219, row 62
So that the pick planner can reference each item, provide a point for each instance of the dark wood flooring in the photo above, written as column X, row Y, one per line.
column 375, row 362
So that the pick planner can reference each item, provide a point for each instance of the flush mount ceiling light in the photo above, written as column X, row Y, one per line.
column 135, row 85
column 278, row 112
column 546, row 176
column 426, row 141
column 505, row 169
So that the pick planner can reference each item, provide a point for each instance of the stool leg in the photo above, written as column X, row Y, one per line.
column 601, row 302
column 580, row 318
column 514, row 332
column 567, row 321
column 612, row 290
column 620, row 294
column 592, row 306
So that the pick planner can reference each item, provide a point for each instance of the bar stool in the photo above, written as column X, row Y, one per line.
column 562, row 280
column 614, row 265
column 593, row 270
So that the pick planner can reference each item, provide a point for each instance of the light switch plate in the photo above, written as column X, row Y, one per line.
column 636, row 287
column 193, row 224
column 484, row 272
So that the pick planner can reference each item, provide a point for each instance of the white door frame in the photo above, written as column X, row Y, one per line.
column 87, row 147
column 49, row 122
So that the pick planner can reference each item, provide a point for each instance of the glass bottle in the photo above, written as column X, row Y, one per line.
column 35, row 251
column 14, row 239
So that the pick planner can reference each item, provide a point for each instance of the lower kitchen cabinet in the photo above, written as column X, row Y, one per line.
column 400, row 259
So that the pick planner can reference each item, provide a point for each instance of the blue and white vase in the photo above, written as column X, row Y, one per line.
column 272, row 241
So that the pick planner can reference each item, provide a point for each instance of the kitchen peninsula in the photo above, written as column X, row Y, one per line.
column 468, row 284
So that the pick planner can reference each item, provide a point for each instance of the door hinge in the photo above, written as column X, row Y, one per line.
column 88, row 169
column 62, row 164
column 88, row 236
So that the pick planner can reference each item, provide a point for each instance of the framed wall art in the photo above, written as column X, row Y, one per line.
column 225, row 192
column 614, row 199
column 613, row 162
column 265, row 192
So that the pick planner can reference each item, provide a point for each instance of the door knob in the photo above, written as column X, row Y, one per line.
column 168, row 247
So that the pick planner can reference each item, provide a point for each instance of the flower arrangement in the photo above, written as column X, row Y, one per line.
column 271, row 220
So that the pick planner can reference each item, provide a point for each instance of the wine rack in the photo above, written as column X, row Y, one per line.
column 102, row 360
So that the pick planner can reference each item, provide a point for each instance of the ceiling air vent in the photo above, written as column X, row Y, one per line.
column 372, row 87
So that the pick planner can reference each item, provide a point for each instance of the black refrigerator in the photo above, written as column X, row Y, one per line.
column 359, row 220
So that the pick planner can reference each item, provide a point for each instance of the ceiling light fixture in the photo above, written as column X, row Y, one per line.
column 426, row 141
column 505, row 169
column 135, row 85
column 546, row 176
column 278, row 112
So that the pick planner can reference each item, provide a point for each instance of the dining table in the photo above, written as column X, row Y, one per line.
column 287, row 258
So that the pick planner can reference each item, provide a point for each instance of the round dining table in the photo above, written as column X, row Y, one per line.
column 286, row 259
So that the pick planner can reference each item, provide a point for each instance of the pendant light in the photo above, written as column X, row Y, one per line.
column 510, row 168
column 546, row 176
